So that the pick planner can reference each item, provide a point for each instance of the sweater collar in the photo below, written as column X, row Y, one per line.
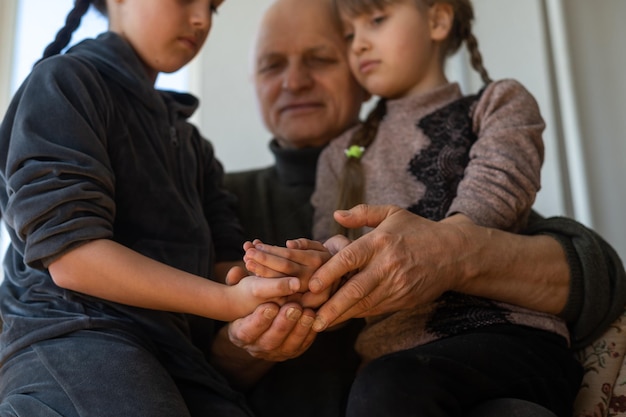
column 295, row 166
column 419, row 105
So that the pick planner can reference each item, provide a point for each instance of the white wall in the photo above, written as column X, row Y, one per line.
column 229, row 115
column 7, row 27
column 597, row 34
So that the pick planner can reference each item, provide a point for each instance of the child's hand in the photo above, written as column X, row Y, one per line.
column 314, row 300
column 235, row 274
column 336, row 243
column 251, row 291
column 300, row 258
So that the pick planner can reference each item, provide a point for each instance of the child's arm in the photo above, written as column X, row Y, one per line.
column 105, row 269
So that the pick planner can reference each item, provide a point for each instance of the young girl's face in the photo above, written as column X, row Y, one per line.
column 393, row 50
column 166, row 34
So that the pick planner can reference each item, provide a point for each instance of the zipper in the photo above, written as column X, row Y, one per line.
column 174, row 136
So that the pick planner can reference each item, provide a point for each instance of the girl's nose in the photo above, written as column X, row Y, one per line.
column 360, row 43
column 201, row 16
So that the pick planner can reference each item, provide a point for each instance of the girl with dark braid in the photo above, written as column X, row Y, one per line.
column 450, row 158
column 121, row 235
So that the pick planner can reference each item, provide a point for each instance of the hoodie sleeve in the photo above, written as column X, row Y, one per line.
column 55, row 168
column 598, row 281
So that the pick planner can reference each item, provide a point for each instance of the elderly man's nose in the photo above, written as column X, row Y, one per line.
column 296, row 77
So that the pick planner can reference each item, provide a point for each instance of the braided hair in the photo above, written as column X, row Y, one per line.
column 72, row 22
column 352, row 181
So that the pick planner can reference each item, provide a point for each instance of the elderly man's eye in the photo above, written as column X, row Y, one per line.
column 322, row 60
column 268, row 66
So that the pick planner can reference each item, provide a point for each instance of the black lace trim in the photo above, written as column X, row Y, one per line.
column 457, row 313
column 441, row 165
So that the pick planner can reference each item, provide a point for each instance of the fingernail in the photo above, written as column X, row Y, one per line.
column 306, row 321
column 293, row 314
column 315, row 285
column 319, row 324
column 294, row 284
column 343, row 213
column 269, row 313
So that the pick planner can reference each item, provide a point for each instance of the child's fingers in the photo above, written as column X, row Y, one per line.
column 312, row 300
column 267, row 289
column 262, row 270
column 336, row 243
column 273, row 261
column 305, row 244
column 235, row 274
column 287, row 260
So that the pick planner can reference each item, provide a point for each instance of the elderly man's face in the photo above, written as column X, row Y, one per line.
column 303, row 82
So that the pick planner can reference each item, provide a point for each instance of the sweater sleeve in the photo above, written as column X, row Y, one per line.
column 55, row 166
column 502, row 177
column 598, row 281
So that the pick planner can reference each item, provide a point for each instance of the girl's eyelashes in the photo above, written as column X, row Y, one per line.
column 378, row 19
column 215, row 5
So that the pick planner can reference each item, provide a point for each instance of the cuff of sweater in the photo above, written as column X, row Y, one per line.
column 573, row 307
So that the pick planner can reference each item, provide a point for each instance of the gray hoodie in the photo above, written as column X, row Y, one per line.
column 90, row 150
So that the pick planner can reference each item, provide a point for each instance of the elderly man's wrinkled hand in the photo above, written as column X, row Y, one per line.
column 404, row 262
column 274, row 333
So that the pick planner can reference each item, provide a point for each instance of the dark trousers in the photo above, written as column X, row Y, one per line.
column 315, row 384
column 102, row 373
column 452, row 376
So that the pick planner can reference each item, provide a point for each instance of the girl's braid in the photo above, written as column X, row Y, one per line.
column 462, row 31
column 64, row 35
column 352, row 180
column 476, row 58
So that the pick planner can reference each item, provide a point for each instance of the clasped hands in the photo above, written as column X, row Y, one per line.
column 403, row 262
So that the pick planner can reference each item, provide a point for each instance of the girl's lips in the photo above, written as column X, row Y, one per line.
column 190, row 42
column 367, row 66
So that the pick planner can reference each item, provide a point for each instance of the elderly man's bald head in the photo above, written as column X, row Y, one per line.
column 303, row 82
column 320, row 11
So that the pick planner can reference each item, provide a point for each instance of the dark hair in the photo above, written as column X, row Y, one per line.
column 352, row 184
column 460, row 32
column 72, row 22
column 352, row 181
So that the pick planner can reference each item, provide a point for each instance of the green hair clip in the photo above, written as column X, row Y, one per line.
column 355, row 151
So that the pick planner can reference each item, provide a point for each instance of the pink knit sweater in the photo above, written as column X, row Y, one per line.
column 493, row 178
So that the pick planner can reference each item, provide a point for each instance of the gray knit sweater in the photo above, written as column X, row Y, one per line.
column 438, row 154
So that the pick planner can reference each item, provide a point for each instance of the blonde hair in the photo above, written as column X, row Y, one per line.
column 352, row 183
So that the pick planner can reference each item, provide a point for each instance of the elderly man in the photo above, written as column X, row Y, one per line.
column 307, row 97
